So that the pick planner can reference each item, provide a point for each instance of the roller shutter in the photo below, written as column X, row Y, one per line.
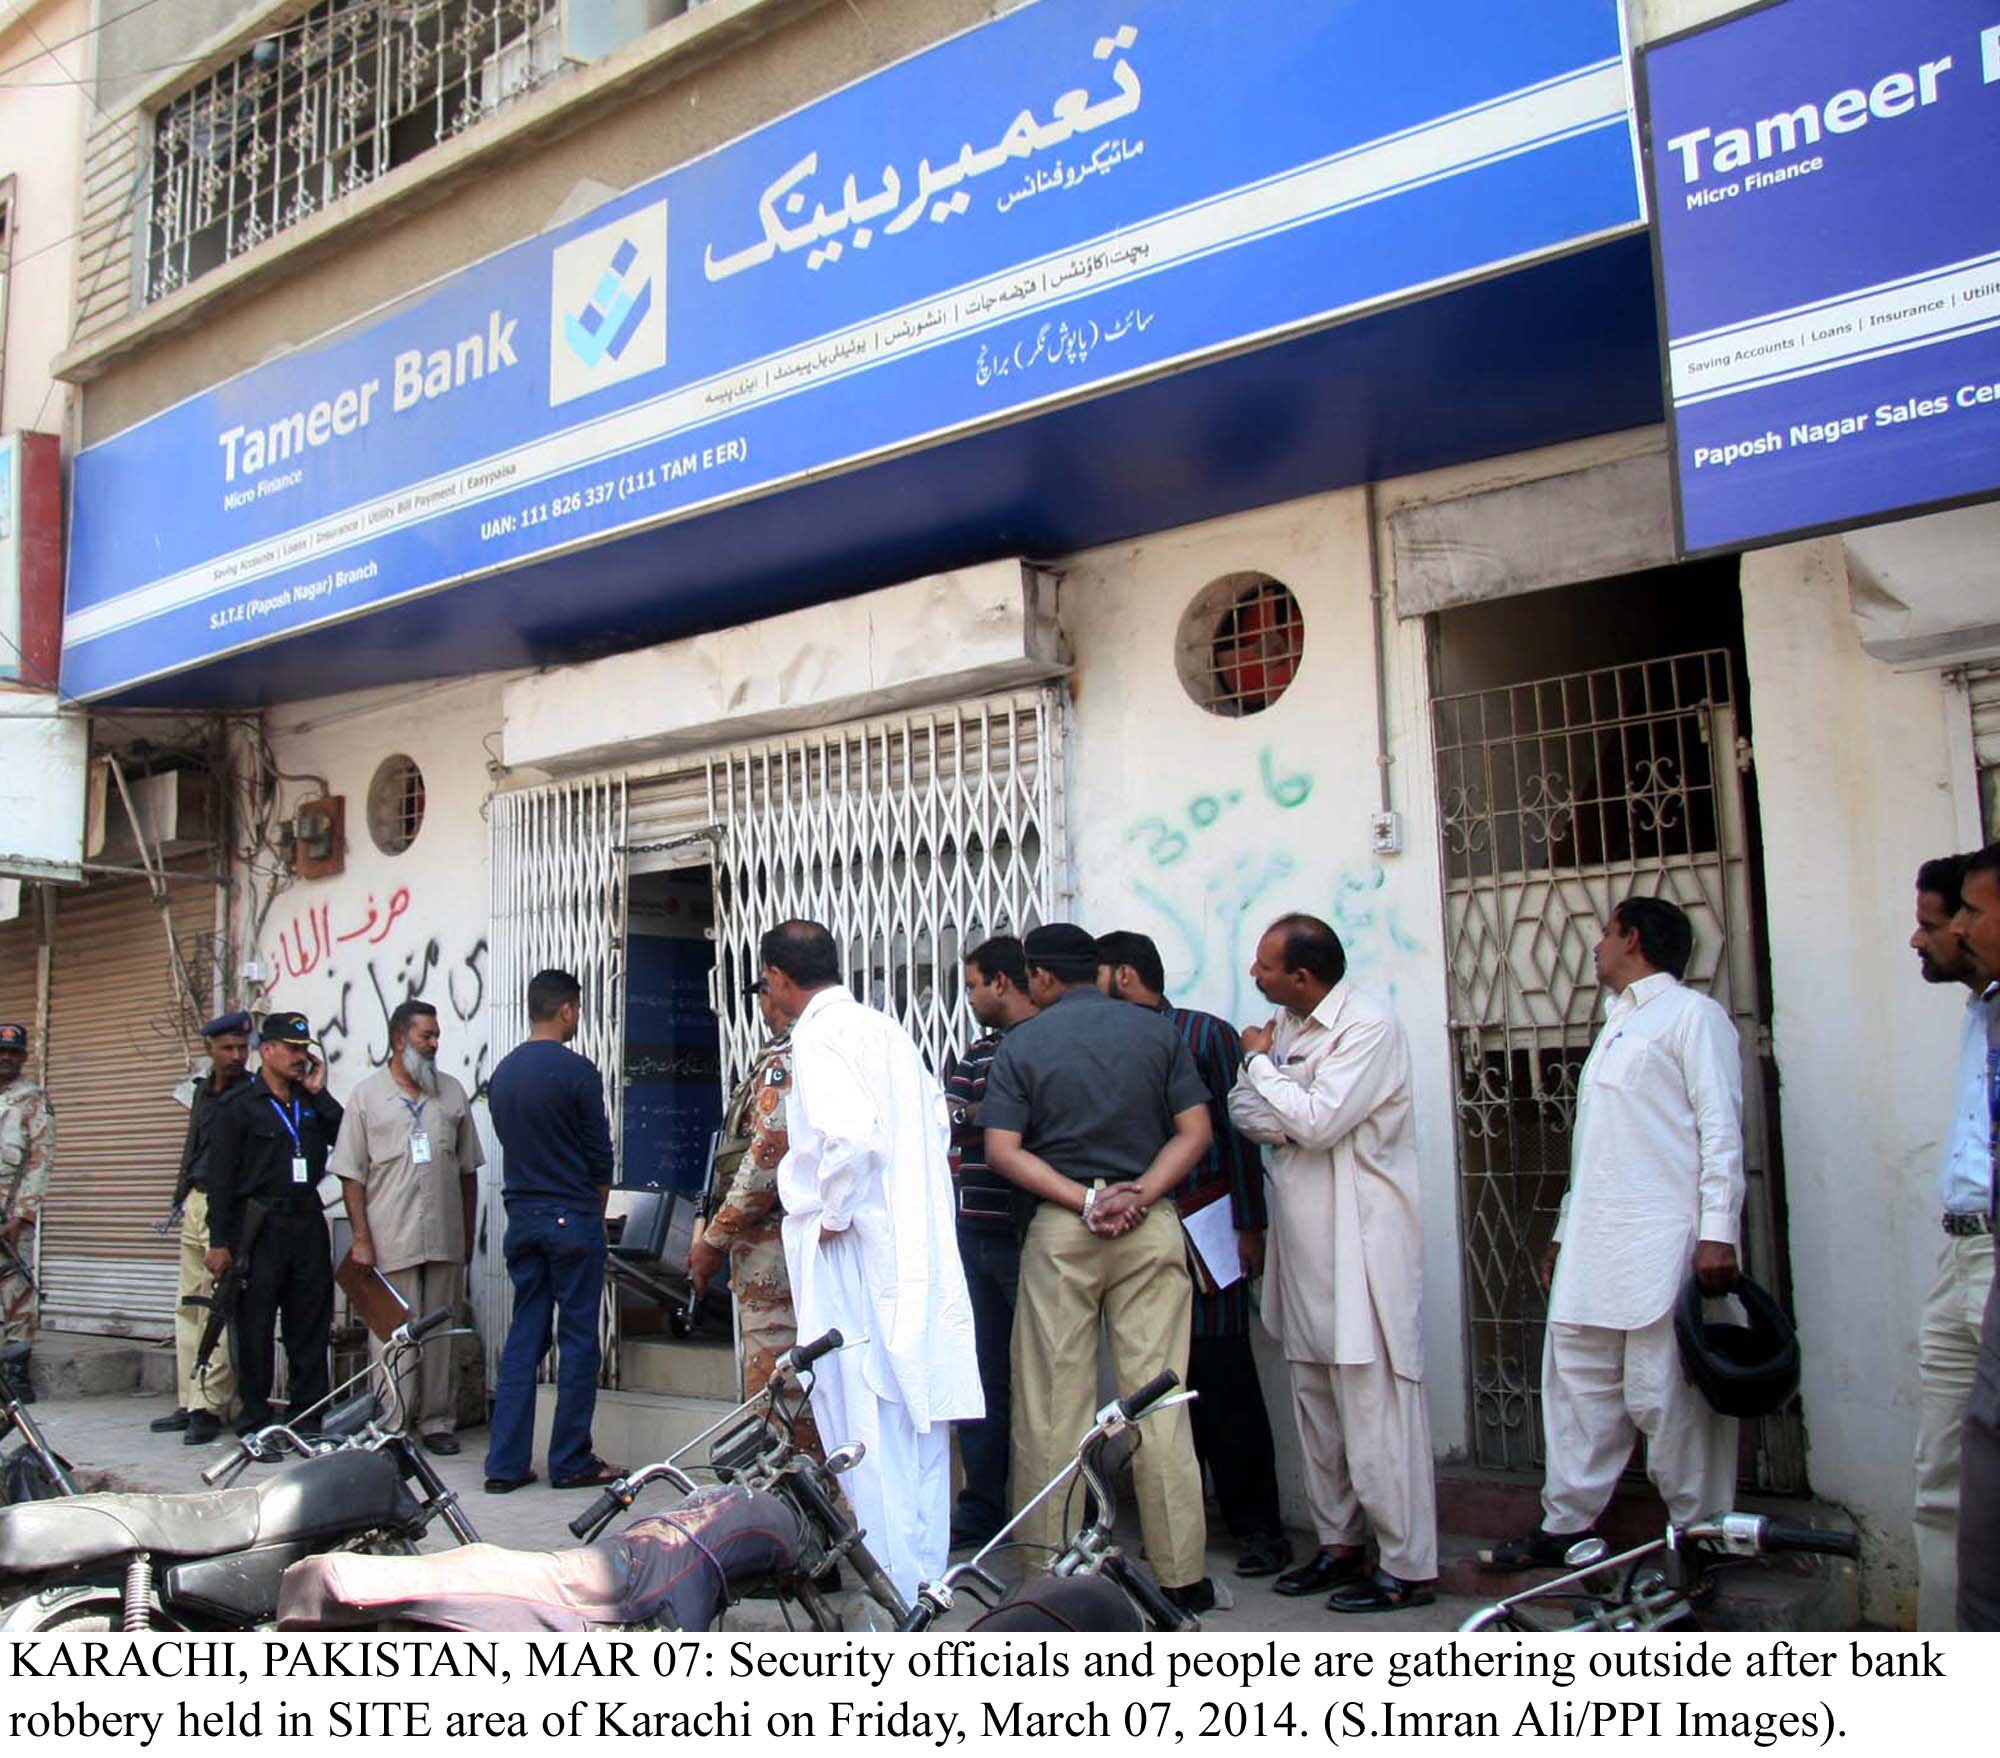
column 120, row 1035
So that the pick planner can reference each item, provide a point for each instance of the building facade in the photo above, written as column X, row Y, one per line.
column 942, row 609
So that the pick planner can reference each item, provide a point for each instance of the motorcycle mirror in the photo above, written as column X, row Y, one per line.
column 844, row 1459
column 1586, row 1551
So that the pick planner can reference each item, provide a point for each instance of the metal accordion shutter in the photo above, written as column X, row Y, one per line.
column 912, row 838
column 119, row 1038
column 1983, row 687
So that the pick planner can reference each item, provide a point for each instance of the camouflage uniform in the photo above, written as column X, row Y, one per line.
column 746, row 1221
column 27, row 1151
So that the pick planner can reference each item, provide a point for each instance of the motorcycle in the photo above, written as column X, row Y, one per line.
column 214, row 1561
column 32, row 1471
column 772, row 1521
column 1091, row 1584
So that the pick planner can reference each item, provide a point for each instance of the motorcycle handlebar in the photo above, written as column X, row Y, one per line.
column 803, row 1355
column 605, row 1508
column 418, row 1329
column 1810, row 1539
column 1135, row 1404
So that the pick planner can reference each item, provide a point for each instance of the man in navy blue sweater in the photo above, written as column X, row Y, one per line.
column 547, row 1104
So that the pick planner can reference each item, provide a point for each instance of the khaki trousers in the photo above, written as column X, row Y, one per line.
column 1138, row 1284
column 1365, row 1432
column 1601, row 1390
column 216, row 1392
column 430, row 1405
column 1947, row 1359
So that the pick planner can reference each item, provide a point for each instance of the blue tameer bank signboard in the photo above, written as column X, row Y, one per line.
column 1078, row 196
column 1825, row 179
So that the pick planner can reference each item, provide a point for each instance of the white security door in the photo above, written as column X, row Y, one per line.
column 558, row 901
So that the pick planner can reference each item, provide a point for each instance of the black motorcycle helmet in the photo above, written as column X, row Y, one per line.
column 1742, row 1370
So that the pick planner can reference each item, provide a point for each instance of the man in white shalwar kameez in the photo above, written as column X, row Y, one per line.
column 1655, row 1191
column 872, row 1249
column 1327, row 1085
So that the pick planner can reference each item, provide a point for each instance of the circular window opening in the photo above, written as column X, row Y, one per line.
column 1240, row 644
column 396, row 804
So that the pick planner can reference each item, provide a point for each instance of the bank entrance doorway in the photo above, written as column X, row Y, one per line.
column 1592, row 743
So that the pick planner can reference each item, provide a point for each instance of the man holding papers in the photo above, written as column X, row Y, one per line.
column 1221, row 1205
column 1327, row 1085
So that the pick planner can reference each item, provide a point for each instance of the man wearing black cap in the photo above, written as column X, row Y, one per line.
column 269, row 1142
column 1096, row 1109
column 27, row 1152
column 204, row 1405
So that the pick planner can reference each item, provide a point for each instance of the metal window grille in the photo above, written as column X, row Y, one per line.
column 1982, row 688
column 396, row 804
column 1240, row 644
column 1558, row 798
column 323, row 107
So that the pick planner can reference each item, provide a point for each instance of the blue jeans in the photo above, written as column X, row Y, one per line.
column 992, row 1263
column 555, row 1258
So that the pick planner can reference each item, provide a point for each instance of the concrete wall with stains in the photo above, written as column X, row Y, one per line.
column 1199, row 829
column 346, row 950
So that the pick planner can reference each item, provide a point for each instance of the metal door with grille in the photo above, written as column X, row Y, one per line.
column 1557, row 798
column 912, row 839
column 558, row 894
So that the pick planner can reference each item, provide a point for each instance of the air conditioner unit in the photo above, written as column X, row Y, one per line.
column 175, row 810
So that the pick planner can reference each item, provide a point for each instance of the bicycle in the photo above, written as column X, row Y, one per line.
column 1663, row 1581
column 1091, row 1555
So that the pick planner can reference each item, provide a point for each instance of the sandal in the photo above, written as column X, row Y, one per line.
column 1382, row 1592
column 1539, row 1550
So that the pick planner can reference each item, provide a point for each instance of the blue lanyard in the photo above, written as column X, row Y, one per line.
column 415, row 1107
column 291, row 1123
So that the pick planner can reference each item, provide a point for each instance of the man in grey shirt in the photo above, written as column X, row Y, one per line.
column 1097, row 1109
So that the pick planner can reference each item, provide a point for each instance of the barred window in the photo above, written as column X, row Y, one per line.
column 396, row 804
column 1240, row 644
column 323, row 107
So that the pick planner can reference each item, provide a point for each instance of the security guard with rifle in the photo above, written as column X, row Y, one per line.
column 27, row 1152
column 268, row 1245
column 205, row 1397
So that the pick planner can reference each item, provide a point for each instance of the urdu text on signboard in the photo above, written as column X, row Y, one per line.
column 1076, row 196
column 1825, row 180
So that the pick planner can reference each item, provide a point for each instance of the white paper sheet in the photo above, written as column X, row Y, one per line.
column 1213, row 1236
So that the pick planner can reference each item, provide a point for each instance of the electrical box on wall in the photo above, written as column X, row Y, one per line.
column 1385, row 833
column 315, row 837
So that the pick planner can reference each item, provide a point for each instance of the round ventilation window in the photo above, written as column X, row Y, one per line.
column 396, row 804
column 1240, row 644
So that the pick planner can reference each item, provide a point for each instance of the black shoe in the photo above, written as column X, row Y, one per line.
column 169, row 1424
column 447, row 1444
column 1539, row 1550
column 506, row 1486
column 203, row 1426
column 1264, row 1556
column 595, row 1475
column 1383, row 1592
column 1205, row 1595
column 971, row 1534
column 1319, row 1572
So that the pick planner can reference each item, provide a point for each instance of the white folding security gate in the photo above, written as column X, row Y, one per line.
column 912, row 837
column 558, row 901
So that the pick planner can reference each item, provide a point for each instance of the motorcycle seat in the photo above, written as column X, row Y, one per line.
column 661, row 1568
column 325, row 1497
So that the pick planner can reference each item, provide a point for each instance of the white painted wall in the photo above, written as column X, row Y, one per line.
column 1857, row 786
column 1199, row 830
column 428, row 904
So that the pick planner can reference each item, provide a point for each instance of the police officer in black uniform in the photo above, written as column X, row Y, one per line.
column 270, row 1141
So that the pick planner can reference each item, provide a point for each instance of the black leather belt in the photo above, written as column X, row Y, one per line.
column 1967, row 1226
column 977, row 1204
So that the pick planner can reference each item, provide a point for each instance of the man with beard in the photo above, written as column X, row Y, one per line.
column 205, row 1402
column 408, row 1160
column 1948, row 1340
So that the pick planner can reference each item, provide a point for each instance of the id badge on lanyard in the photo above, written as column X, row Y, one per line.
column 301, row 1173
column 420, row 1137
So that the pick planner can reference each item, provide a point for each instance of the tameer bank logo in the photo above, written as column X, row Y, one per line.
column 608, row 305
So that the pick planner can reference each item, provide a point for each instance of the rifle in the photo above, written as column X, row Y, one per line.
column 228, row 1286
column 12, row 1263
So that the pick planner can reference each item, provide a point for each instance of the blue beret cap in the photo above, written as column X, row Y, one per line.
column 224, row 1023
